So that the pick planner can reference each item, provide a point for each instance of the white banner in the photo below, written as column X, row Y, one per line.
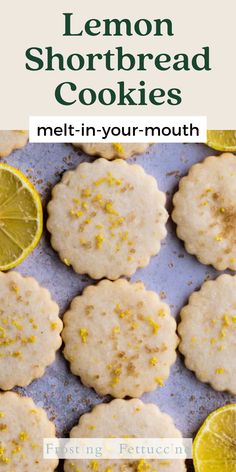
column 124, row 129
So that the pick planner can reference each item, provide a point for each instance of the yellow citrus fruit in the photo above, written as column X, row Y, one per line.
column 21, row 217
column 214, row 448
column 224, row 141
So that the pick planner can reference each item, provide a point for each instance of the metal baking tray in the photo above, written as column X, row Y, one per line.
column 173, row 273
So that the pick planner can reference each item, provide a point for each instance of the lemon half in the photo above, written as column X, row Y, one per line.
column 21, row 217
column 224, row 141
column 214, row 448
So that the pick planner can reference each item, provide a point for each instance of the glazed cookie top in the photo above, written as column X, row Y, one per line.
column 113, row 150
column 23, row 426
column 10, row 140
column 125, row 418
column 29, row 330
column 120, row 338
column 205, row 211
column 208, row 333
column 107, row 218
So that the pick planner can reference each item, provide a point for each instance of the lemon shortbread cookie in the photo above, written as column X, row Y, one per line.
column 23, row 427
column 113, row 150
column 208, row 333
column 125, row 419
column 120, row 338
column 29, row 330
column 107, row 218
column 10, row 140
column 205, row 211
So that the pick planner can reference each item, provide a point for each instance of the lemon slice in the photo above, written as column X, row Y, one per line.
column 21, row 217
column 214, row 448
column 222, row 140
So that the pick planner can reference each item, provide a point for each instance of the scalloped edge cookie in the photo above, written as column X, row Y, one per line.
column 125, row 418
column 23, row 427
column 11, row 140
column 113, row 150
column 28, row 343
column 205, row 211
column 99, row 222
column 207, row 333
column 120, row 338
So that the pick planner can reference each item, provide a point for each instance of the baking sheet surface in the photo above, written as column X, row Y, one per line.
column 174, row 274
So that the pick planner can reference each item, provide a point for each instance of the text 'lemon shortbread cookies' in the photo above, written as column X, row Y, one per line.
column 113, row 150
column 29, row 330
column 208, row 333
column 205, row 211
column 120, row 338
column 11, row 140
column 107, row 218
column 125, row 419
column 23, row 428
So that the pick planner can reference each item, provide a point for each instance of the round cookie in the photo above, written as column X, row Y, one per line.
column 120, row 338
column 23, row 427
column 205, row 211
column 125, row 418
column 29, row 330
column 208, row 333
column 107, row 218
column 11, row 140
column 113, row 150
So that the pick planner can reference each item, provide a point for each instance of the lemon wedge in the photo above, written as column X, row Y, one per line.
column 214, row 448
column 21, row 217
column 224, row 141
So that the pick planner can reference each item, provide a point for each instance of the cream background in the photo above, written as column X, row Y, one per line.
column 196, row 24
